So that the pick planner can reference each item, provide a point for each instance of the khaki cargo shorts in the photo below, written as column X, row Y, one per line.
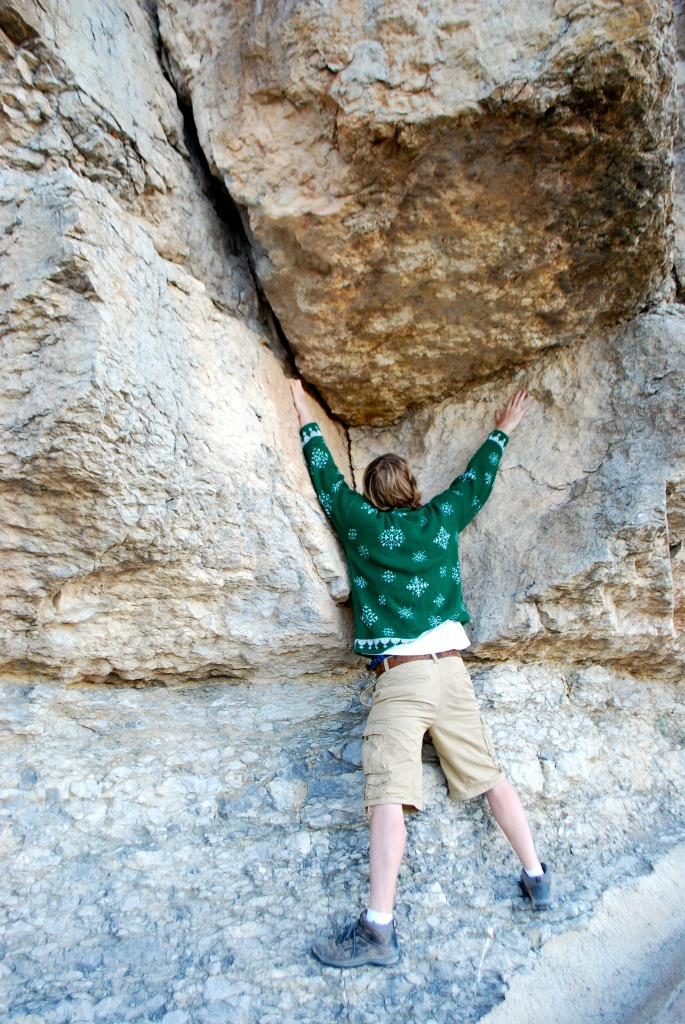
column 418, row 697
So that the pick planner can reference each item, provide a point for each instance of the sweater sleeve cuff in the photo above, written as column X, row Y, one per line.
column 308, row 431
column 500, row 438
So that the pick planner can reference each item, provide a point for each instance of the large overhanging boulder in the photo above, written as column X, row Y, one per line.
column 436, row 193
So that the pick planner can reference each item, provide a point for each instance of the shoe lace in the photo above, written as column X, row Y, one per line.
column 350, row 931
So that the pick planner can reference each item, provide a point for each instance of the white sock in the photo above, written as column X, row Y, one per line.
column 375, row 917
column 535, row 872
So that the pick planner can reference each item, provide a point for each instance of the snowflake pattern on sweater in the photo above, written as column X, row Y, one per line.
column 442, row 538
column 391, row 538
column 404, row 563
column 368, row 616
column 319, row 458
column 417, row 586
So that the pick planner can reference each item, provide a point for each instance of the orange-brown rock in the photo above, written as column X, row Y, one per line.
column 434, row 195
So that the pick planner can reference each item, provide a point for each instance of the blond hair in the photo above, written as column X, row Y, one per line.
column 389, row 483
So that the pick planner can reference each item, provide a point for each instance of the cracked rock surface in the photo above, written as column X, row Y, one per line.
column 145, row 496
column 156, row 519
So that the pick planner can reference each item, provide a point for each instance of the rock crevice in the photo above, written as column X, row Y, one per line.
column 151, row 467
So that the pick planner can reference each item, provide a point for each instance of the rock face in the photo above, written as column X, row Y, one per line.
column 82, row 88
column 158, row 520
column 151, row 481
column 679, row 153
column 167, row 852
column 439, row 207
column 578, row 552
column 435, row 196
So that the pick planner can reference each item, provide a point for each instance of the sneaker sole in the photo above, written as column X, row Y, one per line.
column 360, row 963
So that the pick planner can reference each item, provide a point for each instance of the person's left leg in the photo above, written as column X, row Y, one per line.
column 387, row 837
column 405, row 703
column 372, row 940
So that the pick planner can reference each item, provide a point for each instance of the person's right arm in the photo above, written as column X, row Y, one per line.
column 472, row 488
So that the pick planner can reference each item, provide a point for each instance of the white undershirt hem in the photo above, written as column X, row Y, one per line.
column 448, row 636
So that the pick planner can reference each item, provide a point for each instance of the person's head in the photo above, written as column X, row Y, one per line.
column 389, row 483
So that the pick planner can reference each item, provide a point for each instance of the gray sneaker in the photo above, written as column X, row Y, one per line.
column 539, row 890
column 358, row 945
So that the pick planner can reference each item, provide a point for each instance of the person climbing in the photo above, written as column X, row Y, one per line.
column 405, row 576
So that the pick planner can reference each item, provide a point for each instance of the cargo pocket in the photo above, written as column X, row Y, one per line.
column 375, row 749
column 490, row 746
column 376, row 764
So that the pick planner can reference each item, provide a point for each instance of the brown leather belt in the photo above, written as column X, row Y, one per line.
column 399, row 659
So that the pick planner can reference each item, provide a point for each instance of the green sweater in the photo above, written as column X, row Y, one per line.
column 404, row 564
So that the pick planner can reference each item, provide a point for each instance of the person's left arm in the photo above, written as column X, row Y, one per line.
column 332, row 490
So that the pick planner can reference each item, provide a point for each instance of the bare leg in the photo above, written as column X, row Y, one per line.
column 511, row 818
column 386, row 848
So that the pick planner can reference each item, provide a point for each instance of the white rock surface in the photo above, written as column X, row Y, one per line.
column 625, row 968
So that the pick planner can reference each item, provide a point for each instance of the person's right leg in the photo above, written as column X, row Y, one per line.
column 464, row 746
column 536, row 878
column 509, row 814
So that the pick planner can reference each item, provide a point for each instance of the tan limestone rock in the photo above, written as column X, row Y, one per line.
column 435, row 195
column 157, row 519
column 81, row 86
column 679, row 152
column 577, row 554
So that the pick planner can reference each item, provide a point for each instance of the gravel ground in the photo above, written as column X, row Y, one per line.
column 170, row 853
